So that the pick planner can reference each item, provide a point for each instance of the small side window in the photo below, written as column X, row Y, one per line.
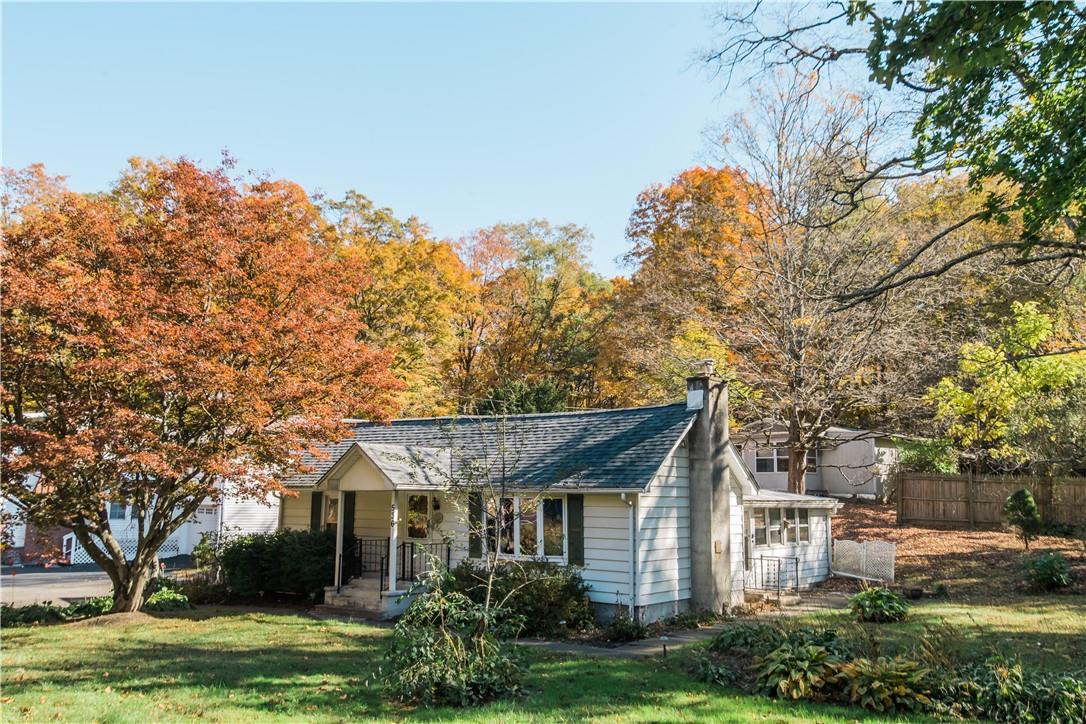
column 804, row 525
column 774, row 526
column 759, row 527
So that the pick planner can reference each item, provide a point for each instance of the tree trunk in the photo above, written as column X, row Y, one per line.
column 797, row 460
column 128, row 594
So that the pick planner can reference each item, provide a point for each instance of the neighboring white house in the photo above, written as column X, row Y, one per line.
column 653, row 504
column 847, row 462
column 231, row 515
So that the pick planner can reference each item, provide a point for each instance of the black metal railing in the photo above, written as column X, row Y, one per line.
column 414, row 559
column 774, row 573
column 369, row 557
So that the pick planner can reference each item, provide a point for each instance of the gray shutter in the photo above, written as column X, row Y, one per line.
column 575, row 529
column 315, row 509
column 475, row 520
column 347, row 515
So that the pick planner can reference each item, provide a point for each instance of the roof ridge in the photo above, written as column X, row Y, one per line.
column 597, row 411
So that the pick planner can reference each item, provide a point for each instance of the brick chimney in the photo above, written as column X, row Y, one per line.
column 713, row 561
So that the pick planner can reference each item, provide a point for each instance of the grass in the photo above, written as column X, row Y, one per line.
column 1046, row 632
column 232, row 665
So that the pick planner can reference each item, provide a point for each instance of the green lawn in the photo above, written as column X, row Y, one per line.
column 235, row 666
column 1047, row 632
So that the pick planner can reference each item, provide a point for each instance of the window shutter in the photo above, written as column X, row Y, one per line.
column 315, row 508
column 475, row 520
column 575, row 528
column 347, row 515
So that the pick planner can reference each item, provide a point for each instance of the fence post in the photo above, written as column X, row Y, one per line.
column 969, row 494
column 899, row 489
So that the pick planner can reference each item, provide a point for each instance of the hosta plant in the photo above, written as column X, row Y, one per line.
column 880, row 605
column 887, row 684
column 797, row 671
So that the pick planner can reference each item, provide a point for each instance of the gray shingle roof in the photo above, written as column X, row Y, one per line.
column 604, row 449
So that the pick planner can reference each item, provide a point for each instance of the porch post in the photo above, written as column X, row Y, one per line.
column 339, row 541
column 393, row 540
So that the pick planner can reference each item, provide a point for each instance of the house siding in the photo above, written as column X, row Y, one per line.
column 814, row 557
column 607, row 549
column 295, row 511
column 247, row 515
column 663, row 546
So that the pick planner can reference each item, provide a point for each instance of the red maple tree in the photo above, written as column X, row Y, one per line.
column 177, row 332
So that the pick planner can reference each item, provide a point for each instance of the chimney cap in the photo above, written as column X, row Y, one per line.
column 704, row 368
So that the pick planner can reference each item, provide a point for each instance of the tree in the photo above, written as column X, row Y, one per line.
column 415, row 290
column 758, row 261
column 179, row 331
column 1022, row 514
column 1007, row 393
column 995, row 90
column 539, row 316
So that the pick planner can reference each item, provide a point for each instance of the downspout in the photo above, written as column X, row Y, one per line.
column 631, row 505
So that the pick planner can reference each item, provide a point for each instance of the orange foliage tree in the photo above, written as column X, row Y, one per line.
column 175, row 333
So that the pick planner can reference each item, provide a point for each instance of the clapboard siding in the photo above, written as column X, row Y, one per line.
column 372, row 514
column 663, row 547
column 606, row 548
column 737, row 533
column 296, row 509
column 813, row 563
column 247, row 515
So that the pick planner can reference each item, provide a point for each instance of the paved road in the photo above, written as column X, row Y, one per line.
column 56, row 585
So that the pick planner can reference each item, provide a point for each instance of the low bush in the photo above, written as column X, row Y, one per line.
column 293, row 562
column 622, row 629
column 89, row 608
column 32, row 615
column 1001, row 690
column 201, row 590
column 879, row 605
column 537, row 598
column 1048, row 571
column 754, row 639
column 797, row 671
column 712, row 670
column 443, row 653
column 1022, row 515
column 886, row 684
column 46, row 613
column 166, row 599
column 689, row 620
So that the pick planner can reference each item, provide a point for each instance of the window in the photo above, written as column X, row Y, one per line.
column 775, row 460
column 418, row 516
column 764, row 460
column 774, row 526
column 759, row 527
column 771, row 526
column 331, row 513
column 116, row 511
column 524, row 526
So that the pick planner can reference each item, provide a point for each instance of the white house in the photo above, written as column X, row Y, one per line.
column 653, row 504
column 230, row 515
column 847, row 462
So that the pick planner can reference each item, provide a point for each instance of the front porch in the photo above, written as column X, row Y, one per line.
column 365, row 585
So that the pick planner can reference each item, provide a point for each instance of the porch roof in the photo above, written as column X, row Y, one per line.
column 781, row 499
column 601, row 449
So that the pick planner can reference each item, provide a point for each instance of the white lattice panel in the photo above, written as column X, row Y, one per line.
column 871, row 560
column 128, row 545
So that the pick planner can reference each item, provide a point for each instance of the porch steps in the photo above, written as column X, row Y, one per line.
column 782, row 600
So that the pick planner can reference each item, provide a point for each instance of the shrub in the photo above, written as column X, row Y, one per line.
column 880, row 605
column 927, row 456
column 1047, row 571
column 536, row 598
column 157, row 584
column 1000, row 690
column 622, row 629
column 166, row 599
column 32, row 615
column 755, row 639
column 89, row 608
column 1022, row 515
column 887, row 684
column 442, row 652
column 712, row 670
column 286, row 561
column 201, row 590
column 689, row 620
column 797, row 671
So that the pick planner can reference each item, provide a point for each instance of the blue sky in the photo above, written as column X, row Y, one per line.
column 464, row 115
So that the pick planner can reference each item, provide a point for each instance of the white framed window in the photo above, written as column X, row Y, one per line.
column 775, row 459
column 525, row 527
column 774, row 526
column 117, row 511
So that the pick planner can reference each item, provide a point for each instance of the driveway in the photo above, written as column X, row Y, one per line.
column 55, row 584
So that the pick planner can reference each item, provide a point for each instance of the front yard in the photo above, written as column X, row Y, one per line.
column 232, row 664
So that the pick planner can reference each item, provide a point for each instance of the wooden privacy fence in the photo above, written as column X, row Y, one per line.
column 978, row 500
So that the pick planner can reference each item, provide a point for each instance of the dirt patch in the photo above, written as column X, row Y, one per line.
column 115, row 619
column 970, row 563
